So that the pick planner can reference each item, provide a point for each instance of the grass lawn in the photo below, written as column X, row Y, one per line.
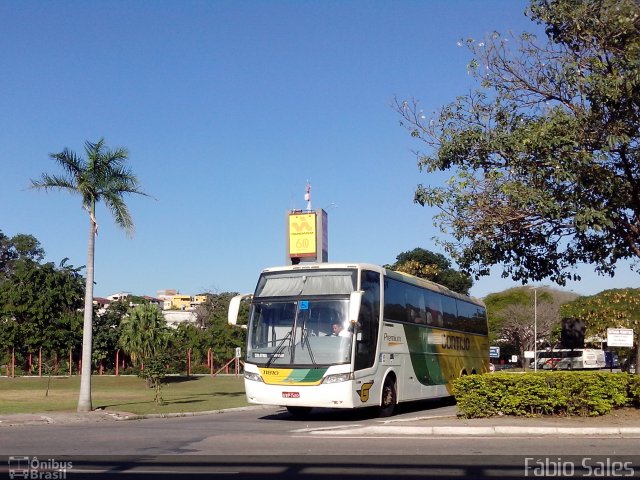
column 121, row 394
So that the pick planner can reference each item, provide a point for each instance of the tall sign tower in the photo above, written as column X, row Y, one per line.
column 307, row 234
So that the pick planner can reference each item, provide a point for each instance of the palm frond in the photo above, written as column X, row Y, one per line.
column 119, row 210
column 54, row 182
column 70, row 162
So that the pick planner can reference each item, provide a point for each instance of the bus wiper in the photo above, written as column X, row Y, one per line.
column 305, row 339
column 279, row 349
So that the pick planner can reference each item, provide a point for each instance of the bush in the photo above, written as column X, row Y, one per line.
column 474, row 397
column 548, row 393
column 634, row 390
column 154, row 372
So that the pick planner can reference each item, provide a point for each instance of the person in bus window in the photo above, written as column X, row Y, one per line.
column 338, row 330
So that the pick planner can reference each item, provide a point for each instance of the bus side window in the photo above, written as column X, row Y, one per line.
column 434, row 309
column 449, row 313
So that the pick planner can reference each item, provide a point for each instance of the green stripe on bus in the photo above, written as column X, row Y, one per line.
column 310, row 375
column 424, row 362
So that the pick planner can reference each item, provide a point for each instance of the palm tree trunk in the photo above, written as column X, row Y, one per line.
column 84, row 400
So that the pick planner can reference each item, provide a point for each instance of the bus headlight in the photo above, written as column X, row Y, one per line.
column 253, row 376
column 338, row 377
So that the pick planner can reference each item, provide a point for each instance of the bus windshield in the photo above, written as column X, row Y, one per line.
column 299, row 333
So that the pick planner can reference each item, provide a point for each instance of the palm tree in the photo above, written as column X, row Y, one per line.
column 102, row 176
column 144, row 333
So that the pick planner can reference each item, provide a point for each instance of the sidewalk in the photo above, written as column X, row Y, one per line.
column 622, row 423
column 96, row 416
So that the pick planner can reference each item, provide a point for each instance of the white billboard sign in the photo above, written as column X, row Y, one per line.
column 619, row 337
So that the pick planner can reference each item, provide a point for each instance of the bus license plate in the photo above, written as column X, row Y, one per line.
column 290, row 394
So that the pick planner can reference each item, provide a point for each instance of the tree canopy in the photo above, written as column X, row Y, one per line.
column 144, row 333
column 18, row 247
column 39, row 302
column 617, row 308
column 544, row 153
column 513, row 312
column 432, row 266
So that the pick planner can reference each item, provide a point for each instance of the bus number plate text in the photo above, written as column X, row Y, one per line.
column 290, row 394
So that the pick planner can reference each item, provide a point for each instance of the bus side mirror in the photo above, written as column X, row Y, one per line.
column 234, row 308
column 355, row 300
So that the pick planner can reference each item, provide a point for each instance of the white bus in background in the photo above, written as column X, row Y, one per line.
column 572, row 359
column 402, row 338
column 582, row 358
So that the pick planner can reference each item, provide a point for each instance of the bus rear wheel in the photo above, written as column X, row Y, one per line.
column 389, row 397
column 299, row 412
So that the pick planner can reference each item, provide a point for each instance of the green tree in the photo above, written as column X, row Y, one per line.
column 545, row 152
column 15, row 248
column 102, row 177
column 184, row 337
column 515, row 314
column 38, row 305
column 617, row 308
column 432, row 266
column 143, row 333
column 154, row 372
column 222, row 337
column 106, row 333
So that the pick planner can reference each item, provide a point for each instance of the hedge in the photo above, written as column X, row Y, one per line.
column 545, row 393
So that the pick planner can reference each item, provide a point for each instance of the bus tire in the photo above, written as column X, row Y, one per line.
column 388, row 398
column 299, row 412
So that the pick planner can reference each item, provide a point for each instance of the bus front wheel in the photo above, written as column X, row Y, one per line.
column 389, row 397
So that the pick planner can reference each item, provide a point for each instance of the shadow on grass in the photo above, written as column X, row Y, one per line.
column 182, row 402
column 210, row 395
column 106, row 406
column 178, row 379
column 150, row 402
column 168, row 401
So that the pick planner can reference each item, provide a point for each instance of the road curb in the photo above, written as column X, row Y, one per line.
column 97, row 416
column 491, row 431
column 125, row 416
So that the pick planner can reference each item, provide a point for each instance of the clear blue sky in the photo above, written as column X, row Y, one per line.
column 227, row 108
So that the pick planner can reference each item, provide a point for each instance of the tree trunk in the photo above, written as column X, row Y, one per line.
column 84, row 400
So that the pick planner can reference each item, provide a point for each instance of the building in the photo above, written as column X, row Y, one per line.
column 102, row 304
column 173, row 300
column 177, row 317
column 176, row 307
column 114, row 297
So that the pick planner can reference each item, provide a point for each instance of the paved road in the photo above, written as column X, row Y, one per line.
column 267, row 443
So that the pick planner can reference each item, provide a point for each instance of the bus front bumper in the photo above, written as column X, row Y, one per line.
column 334, row 395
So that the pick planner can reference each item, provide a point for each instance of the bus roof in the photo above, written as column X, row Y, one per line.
column 401, row 276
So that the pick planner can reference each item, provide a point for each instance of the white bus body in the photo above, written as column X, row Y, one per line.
column 403, row 338
column 582, row 358
column 571, row 359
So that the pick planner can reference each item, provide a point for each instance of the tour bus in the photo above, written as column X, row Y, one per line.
column 357, row 335
column 571, row 359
